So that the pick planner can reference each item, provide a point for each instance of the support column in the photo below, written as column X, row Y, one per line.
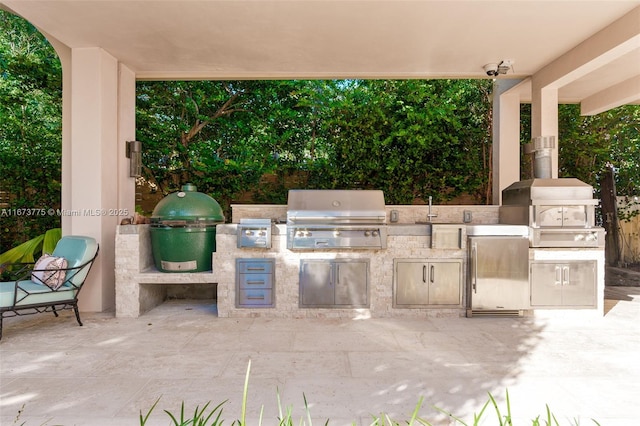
column 126, row 132
column 506, row 137
column 544, row 117
column 99, row 110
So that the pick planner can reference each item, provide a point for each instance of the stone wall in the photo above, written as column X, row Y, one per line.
column 139, row 285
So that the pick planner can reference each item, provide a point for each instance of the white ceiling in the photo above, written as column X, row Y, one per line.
column 273, row 39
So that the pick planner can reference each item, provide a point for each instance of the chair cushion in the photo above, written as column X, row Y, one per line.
column 77, row 250
column 50, row 270
column 32, row 293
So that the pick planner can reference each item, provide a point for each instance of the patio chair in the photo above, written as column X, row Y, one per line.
column 50, row 284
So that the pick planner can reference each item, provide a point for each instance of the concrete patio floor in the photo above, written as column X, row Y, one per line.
column 53, row 372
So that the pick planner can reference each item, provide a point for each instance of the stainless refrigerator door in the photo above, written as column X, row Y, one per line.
column 499, row 273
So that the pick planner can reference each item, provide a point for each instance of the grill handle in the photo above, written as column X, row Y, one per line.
column 474, row 267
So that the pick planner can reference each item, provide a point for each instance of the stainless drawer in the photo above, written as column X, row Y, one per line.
column 257, row 281
column 259, row 297
column 255, row 266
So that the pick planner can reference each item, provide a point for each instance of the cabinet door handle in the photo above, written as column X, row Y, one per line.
column 255, row 268
column 565, row 275
column 558, row 276
column 431, row 274
column 424, row 273
column 255, row 282
column 255, row 297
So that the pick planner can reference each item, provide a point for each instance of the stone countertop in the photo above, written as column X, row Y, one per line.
column 393, row 230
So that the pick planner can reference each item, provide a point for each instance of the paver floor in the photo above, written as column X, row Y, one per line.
column 53, row 372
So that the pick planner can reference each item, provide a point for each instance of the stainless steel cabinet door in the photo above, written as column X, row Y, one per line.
column 571, row 284
column 411, row 284
column 427, row 283
column 350, row 279
column 579, row 284
column 316, row 286
column 326, row 283
column 444, row 283
column 546, row 284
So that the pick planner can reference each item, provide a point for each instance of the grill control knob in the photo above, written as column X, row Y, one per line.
column 374, row 233
column 367, row 233
column 248, row 232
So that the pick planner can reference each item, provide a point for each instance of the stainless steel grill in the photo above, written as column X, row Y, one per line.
column 254, row 233
column 559, row 212
column 336, row 219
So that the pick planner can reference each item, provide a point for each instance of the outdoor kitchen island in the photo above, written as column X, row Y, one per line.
column 422, row 271
column 419, row 261
column 368, row 276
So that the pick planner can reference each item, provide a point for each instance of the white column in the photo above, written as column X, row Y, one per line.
column 544, row 117
column 126, row 132
column 91, row 163
column 506, row 137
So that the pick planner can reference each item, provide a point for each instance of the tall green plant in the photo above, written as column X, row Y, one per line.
column 27, row 251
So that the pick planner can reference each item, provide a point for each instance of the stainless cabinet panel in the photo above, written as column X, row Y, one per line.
column 351, row 283
column 411, row 284
column 334, row 283
column 444, row 283
column 565, row 284
column 546, row 284
column 418, row 283
column 316, row 283
column 447, row 236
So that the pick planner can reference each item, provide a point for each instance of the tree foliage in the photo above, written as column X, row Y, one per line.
column 590, row 144
column 30, row 131
column 411, row 138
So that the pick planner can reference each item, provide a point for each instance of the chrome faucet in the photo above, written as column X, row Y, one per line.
column 430, row 215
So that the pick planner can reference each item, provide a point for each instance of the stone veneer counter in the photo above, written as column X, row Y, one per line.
column 404, row 241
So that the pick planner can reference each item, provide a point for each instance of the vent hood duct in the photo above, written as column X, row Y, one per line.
column 541, row 148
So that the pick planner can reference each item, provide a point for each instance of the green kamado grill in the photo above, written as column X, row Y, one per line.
column 183, row 231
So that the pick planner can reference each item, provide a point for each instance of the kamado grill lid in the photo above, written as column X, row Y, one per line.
column 187, row 207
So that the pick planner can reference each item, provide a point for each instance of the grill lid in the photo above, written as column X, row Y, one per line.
column 548, row 191
column 331, row 206
column 187, row 208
